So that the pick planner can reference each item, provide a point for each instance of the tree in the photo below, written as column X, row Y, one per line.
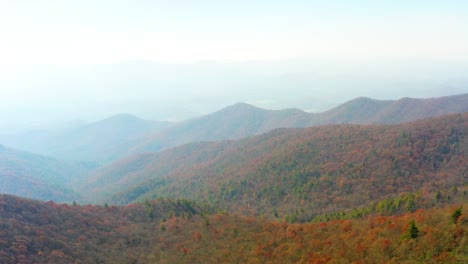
column 455, row 215
column 410, row 205
column 412, row 231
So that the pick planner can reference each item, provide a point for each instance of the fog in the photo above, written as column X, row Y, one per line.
column 63, row 61
column 39, row 96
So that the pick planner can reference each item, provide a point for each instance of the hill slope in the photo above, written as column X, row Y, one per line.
column 38, row 177
column 301, row 172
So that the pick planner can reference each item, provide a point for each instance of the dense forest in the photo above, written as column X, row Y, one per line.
column 179, row 231
column 47, row 232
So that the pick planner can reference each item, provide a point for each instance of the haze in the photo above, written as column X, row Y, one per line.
column 171, row 60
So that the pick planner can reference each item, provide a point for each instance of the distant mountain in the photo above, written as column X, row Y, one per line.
column 298, row 171
column 119, row 136
column 243, row 120
column 98, row 142
column 104, row 140
column 367, row 111
column 39, row 177
column 360, row 110
column 233, row 122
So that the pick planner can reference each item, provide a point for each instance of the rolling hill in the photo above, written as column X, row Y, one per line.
column 299, row 172
column 39, row 177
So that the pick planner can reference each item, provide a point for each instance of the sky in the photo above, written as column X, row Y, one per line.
column 112, row 31
column 65, row 59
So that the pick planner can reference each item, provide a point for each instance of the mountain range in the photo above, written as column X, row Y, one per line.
column 116, row 137
column 243, row 120
column 116, row 148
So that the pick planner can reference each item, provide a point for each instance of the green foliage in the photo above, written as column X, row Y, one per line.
column 386, row 207
column 410, row 205
column 412, row 231
column 455, row 215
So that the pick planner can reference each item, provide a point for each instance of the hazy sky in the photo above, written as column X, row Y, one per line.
column 68, row 59
column 110, row 31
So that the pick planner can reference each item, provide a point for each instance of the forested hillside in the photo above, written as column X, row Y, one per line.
column 300, row 173
column 169, row 231
column 47, row 232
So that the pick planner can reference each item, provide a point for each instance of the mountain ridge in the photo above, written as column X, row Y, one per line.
column 121, row 135
column 243, row 120
column 293, row 164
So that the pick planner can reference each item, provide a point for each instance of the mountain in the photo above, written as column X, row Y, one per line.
column 98, row 142
column 243, row 120
column 39, row 177
column 233, row 122
column 298, row 172
column 367, row 111
column 119, row 136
